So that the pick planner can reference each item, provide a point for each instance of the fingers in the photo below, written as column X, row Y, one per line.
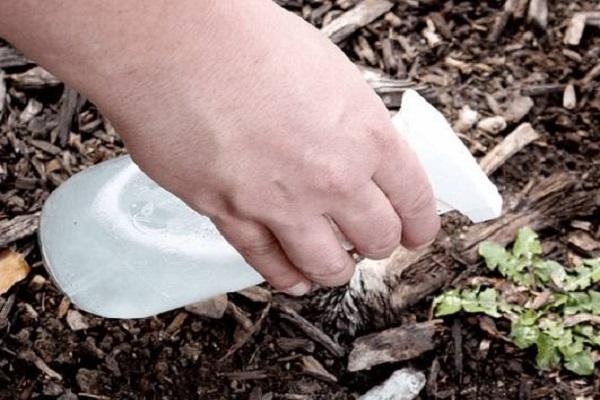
column 314, row 249
column 369, row 222
column 261, row 250
column 405, row 183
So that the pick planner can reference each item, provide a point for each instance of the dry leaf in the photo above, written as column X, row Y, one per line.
column 13, row 269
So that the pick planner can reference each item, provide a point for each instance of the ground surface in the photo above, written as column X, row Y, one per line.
column 179, row 355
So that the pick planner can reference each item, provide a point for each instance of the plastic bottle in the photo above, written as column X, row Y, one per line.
column 121, row 246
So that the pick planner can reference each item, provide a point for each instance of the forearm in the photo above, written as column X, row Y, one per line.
column 89, row 43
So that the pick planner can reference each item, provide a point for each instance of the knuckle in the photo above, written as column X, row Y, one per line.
column 259, row 247
column 334, row 177
column 384, row 244
column 332, row 273
column 422, row 203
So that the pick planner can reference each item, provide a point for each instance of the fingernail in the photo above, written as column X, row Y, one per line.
column 299, row 289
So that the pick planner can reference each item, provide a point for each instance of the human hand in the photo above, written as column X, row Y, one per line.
column 255, row 119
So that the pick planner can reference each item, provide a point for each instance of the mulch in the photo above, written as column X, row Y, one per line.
column 458, row 53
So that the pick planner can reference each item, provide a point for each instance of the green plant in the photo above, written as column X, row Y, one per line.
column 550, row 307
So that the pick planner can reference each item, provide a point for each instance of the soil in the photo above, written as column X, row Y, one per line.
column 48, row 133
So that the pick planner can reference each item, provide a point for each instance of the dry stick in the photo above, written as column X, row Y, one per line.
column 380, row 290
column 248, row 333
column 309, row 329
column 33, row 358
column 350, row 21
column 68, row 109
column 513, row 143
column 18, row 228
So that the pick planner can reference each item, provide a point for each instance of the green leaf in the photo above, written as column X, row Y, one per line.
column 578, row 302
column 469, row 301
column 526, row 244
column 448, row 303
column 581, row 279
column 488, row 301
column 550, row 271
column 494, row 254
column 581, row 363
column 594, row 302
column 547, row 354
column 524, row 336
column 594, row 264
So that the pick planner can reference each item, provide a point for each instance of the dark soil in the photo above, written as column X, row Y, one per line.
column 48, row 133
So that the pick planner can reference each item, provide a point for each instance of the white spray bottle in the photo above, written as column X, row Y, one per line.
column 121, row 246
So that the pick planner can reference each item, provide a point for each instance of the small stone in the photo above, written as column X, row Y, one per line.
column 37, row 283
column 76, row 321
column 493, row 125
column 467, row 117
column 211, row 308
column 404, row 384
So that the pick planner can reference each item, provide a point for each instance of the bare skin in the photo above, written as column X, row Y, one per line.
column 248, row 114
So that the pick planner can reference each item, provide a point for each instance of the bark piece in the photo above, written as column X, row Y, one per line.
column 583, row 241
column 517, row 108
column 364, row 13
column 309, row 329
column 212, row 308
column 510, row 6
column 18, row 228
column 311, row 366
column 392, row 345
column 66, row 114
column 13, row 269
column 404, row 384
column 577, row 24
column 513, row 143
column 294, row 344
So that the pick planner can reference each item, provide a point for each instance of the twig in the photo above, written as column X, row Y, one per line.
column 513, row 143
column 248, row 333
column 363, row 14
column 309, row 329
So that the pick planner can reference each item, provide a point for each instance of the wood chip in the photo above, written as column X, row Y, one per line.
column 76, row 321
column 13, row 269
column 538, row 13
column 18, row 228
column 364, row 13
column 63, row 307
column 177, row 322
column 569, row 97
column 66, row 114
column 580, row 318
column 513, row 143
column 310, row 366
column 392, row 345
column 583, row 241
column 517, row 108
column 212, row 308
column 31, row 357
column 577, row 24
column 309, row 329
